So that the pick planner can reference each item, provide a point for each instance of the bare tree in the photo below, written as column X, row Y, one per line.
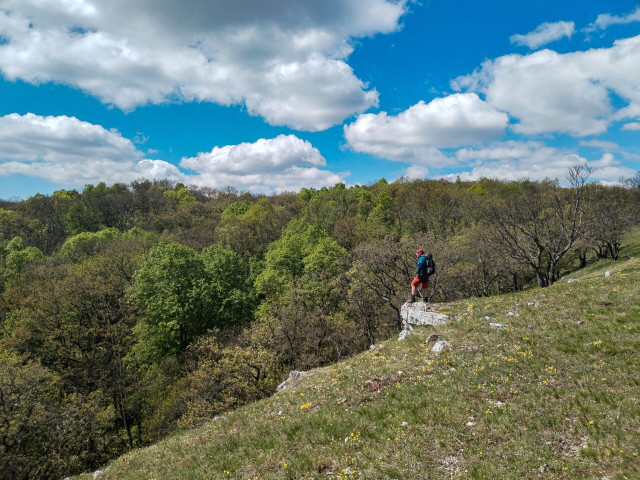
column 385, row 269
column 612, row 214
column 537, row 223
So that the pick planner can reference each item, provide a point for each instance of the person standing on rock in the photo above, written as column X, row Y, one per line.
column 426, row 267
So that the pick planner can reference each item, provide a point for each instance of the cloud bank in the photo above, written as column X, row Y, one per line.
column 549, row 92
column 73, row 153
column 416, row 134
column 284, row 163
column 284, row 60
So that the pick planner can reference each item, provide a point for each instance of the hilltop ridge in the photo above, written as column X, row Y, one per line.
column 537, row 384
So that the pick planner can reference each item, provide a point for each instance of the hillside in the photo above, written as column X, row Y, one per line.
column 553, row 393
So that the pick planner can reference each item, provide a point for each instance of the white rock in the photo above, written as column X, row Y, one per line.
column 440, row 345
column 498, row 326
column 573, row 280
column 292, row 376
column 97, row 474
column 607, row 273
column 419, row 314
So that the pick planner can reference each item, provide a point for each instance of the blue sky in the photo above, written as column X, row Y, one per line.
column 273, row 95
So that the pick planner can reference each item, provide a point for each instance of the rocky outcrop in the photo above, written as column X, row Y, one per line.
column 293, row 376
column 419, row 314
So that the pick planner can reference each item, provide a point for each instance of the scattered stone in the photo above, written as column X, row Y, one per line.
column 419, row 314
column 498, row 326
column 488, row 319
column 470, row 424
column 496, row 403
column 544, row 468
column 440, row 345
column 405, row 424
column 573, row 280
column 535, row 304
column 375, row 347
column 607, row 273
column 511, row 314
column 293, row 375
column 580, row 322
column 97, row 474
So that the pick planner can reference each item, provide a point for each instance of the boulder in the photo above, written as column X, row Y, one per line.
column 419, row 314
column 293, row 375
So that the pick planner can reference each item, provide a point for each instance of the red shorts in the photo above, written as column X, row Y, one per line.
column 422, row 281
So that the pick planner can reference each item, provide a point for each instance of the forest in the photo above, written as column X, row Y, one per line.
column 129, row 312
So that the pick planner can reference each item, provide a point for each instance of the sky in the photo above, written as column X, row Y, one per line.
column 277, row 95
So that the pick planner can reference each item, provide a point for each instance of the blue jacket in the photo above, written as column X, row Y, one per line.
column 422, row 267
column 423, row 263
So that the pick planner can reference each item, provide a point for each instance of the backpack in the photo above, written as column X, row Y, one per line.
column 428, row 266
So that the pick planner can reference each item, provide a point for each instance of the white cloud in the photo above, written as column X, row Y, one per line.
column 73, row 153
column 544, row 34
column 416, row 134
column 68, row 151
column 284, row 163
column 600, row 144
column 605, row 20
column 284, row 59
column 632, row 126
column 550, row 92
column 515, row 160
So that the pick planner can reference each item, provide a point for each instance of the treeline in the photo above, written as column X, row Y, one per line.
column 130, row 311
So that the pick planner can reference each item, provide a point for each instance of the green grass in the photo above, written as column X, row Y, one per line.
column 554, row 395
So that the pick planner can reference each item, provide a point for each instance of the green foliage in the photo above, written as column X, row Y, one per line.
column 249, row 229
column 182, row 295
column 284, row 261
column 219, row 379
column 180, row 195
column 44, row 430
column 172, row 294
column 86, row 244
column 237, row 209
column 16, row 257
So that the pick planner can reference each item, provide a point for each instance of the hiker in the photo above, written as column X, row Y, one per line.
column 426, row 267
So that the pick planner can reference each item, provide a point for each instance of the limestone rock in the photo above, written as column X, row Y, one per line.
column 419, row 314
column 498, row 326
column 293, row 375
column 440, row 345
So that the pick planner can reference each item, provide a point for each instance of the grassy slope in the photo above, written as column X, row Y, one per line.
column 554, row 395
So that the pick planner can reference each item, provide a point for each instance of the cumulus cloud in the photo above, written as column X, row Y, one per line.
column 606, row 20
column 69, row 151
column 544, row 34
column 285, row 60
column 515, row 160
column 548, row 92
column 417, row 134
column 73, row 153
column 632, row 126
column 283, row 163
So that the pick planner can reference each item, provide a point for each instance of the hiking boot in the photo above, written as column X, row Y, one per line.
column 412, row 299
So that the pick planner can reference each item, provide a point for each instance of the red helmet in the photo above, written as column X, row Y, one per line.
column 419, row 251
